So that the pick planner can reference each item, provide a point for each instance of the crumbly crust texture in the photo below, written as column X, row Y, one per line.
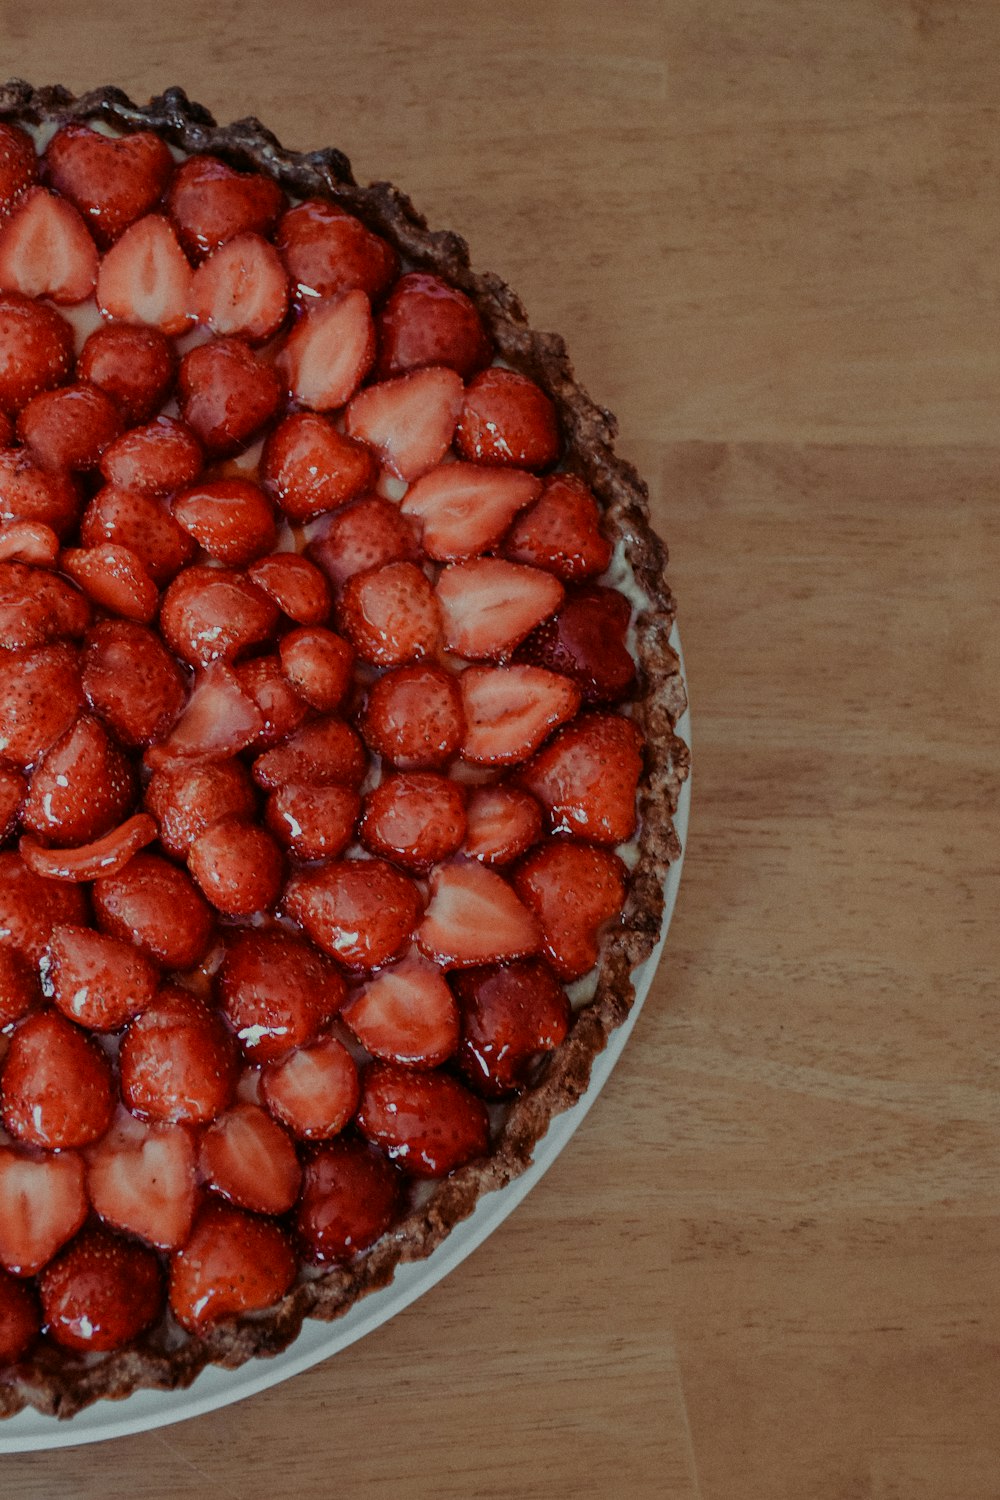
column 57, row 1384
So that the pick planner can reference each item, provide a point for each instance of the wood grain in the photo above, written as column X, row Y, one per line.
column 766, row 1267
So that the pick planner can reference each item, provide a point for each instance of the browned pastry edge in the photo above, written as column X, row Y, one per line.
column 61, row 1387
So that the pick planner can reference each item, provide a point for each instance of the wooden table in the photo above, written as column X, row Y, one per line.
column 767, row 1266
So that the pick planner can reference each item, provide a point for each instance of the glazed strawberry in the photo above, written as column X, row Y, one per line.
column 29, row 542
column 309, row 467
column 474, row 917
column 112, row 180
column 295, row 584
column 142, row 523
column 46, row 250
column 29, row 493
column 461, row 510
column 247, row 1157
column 237, row 866
column 511, row 1013
column 561, row 532
column 575, row 890
column 507, row 419
column 329, row 352
column 350, row 1197
column 131, row 681
column 416, row 819
column 82, row 788
column 220, row 719
column 40, row 698
column 510, row 711
column 586, row 778
column 503, row 823
column 154, row 905
column 277, row 991
column 365, row 535
column 19, row 989
column 210, row 203
column 409, row 421
column 214, row 614
column 141, row 1178
column 414, row 717
column 428, row 1122
column 95, row 980
column 31, row 907
column 84, row 862
column 281, row 708
column 56, row 1089
column 313, row 822
column 427, row 322
column 44, row 1204
column 157, row 458
column 326, row 752
column 145, row 278
column 115, row 579
column 69, row 428
column 585, row 640
column 360, row 911
column 226, row 394
column 36, row 350
column 18, row 164
column 318, row 665
column 328, row 251
column 187, row 798
column 233, row 1263
column 101, row 1292
column 489, row 605
column 231, row 519
column 406, row 1014
column 242, row 289
column 36, row 607
column 135, row 366
column 314, row 1090
column 178, row 1061
column 20, row 1321
column 390, row 614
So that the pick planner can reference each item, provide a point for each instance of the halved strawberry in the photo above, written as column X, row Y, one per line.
column 507, row 419
column 277, row 991
column 96, row 980
column 114, row 578
column 161, row 456
column 247, row 1157
column 575, row 890
column 313, row 822
column 409, row 421
column 40, row 697
column 416, row 819
column 178, row 1061
column 561, row 532
column 36, row 350
column 19, row 988
column 318, row 665
column 46, row 250
column 82, row 788
column 20, row 1319
column 585, row 640
column 414, row 717
column 326, row 752
column 231, row 519
column 29, row 542
column 350, row 1197
column 219, row 720
column 427, row 322
column 56, row 1089
column 309, row 467
column 510, row 1014
column 428, row 1122
column 586, row 778
column 503, row 823
column 361, row 911
column 226, row 394
column 30, row 493
column 296, row 585
column 140, row 521
column 186, row 798
column 44, row 1204
column 100, row 1292
column 84, row 862
column 18, row 164
column 112, row 180
column 154, row 905
column 329, row 352
column 489, row 605
column 329, row 251
column 474, row 917
column 69, row 428
column 242, row 289
column 145, row 278
column 36, row 607
column 135, row 366
column 510, row 711
column 314, row 1091
column 233, row 1263
column 211, row 202
column 390, row 614
column 141, row 1178
column 132, row 681
column 31, row 907
column 406, row 1014
column 462, row 510
column 237, row 866
column 281, row 708
column 214, row 614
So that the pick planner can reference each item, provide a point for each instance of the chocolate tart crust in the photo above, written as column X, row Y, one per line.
column 60, row 1386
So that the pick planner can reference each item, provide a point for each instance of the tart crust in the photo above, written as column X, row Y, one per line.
column 57, row 1384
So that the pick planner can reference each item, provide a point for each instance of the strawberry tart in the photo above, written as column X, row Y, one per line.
column 338, row 759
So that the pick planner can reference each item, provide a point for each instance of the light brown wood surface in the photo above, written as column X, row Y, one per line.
column 767, row 1265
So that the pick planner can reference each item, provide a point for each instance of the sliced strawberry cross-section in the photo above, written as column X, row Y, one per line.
column 242, row 289
column 314, row 1090
column 329, row 352
column 46, row 250
column 219, row 720
column 474, row 917
column 407, row 1014
column 503, row 823
column 247, row 1157
column 462, row 509
column 145, row 278
column 45, row 1202
column 490, row 605
column 409, row 421
column 510, row 711
column 142, row 1178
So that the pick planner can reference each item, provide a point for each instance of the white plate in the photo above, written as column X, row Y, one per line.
column 214, row 1387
